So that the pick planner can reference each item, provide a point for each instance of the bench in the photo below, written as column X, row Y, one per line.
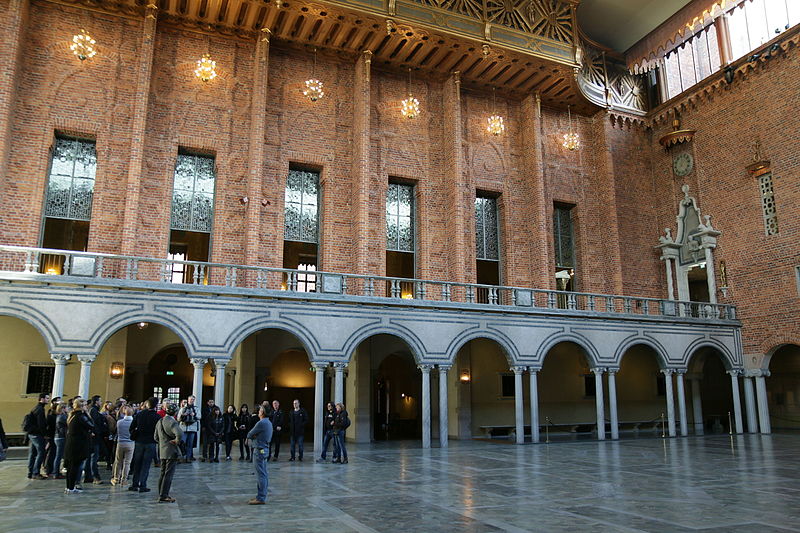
column 17, row 438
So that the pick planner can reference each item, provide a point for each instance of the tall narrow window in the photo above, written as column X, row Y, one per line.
column 301, row 227
column 68, row 206
column 768, row 203
column 192, row 215
column 564, row 246
column 487, row 244
column 400, row 242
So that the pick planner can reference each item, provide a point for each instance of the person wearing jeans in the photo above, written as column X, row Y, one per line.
column 261, row 436
column 168, row 435
column 340, row 424
column 327, row 429
column 124, row 451
column 144, row 451
column 190, row 424
column 36, row 428
column 297, row 429
column 60, row 438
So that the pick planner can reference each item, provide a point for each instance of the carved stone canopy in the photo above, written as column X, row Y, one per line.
column 695, row 233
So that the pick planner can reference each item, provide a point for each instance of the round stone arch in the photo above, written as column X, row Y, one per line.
column 767, row 359
column 42, row 326
column 306, row 337
column 107, row 330
column 557, row 338
column 630, row 342
column 406, row 335
column 509, row 348
column 728, row 361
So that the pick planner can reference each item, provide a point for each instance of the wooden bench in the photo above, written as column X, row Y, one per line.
column 17, row 438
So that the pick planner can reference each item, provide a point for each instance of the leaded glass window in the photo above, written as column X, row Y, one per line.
column 400, row 218
column 70, row 188
column 486, row 237
column 768, row 204
column 302, row 206
column 563, row 237
column 193, row 193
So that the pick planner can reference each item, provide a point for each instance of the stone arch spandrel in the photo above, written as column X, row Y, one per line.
column 107, row 330
column 636, row 339
column 406, row 335
column 593, row 357
column 40, row 327
column 508, row 346
column 728, row 359
column 308, row 339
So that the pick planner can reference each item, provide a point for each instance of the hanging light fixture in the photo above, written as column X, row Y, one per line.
column 410, row 104
column 83, row 46
column 313, row 90
column 206, row 68
column 495, row 124
column 572, row 140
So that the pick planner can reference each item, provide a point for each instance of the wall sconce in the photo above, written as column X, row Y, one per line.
column 465, row 377
column 117, row 370
column 142, row 325
column 244, row 200
column 265, row 202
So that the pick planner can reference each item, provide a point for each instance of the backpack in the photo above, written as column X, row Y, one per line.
column 29, row 423
column 346, row 422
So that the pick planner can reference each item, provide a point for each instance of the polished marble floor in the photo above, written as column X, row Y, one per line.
column 711, row 484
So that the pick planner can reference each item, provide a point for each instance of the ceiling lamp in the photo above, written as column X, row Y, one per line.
column 206, row 68
column 495, row 124
column 83, row 46
column 572, row 140
column 313, row 90
column 410, row 104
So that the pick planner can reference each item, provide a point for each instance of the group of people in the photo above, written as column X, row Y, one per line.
column 82, row 433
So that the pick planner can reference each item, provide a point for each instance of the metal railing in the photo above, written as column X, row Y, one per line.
column 194, row 273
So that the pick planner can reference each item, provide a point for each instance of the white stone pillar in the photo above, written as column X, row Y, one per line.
column 737, row 401
column 319, row 400
column 763, row 406
column 682, row 402
column 697, row 407
column 60, row 359
column 219, row 383
column 338, row 395
column 612, row 402
column 199, row 364
column 599, row 402
column 519, row 409
column 444, row 430
column 426, row 405
column 670, row 400
column 750, row 404
column 670, row 282
column 534, row 399
column 86, row 373
column 711, row 276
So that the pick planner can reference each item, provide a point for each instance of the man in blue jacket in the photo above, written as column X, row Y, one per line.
column 261, row 435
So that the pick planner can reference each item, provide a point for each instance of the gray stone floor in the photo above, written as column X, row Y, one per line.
column 712, row 484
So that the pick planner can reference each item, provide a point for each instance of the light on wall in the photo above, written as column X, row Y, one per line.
column 83, row 46
column 117, row 370
column 313, row 90
column 206, row 68
column 465, row 377
column 572, row 140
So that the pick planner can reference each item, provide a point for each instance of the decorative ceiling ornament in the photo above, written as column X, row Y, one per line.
column 677, row 135
column 83, row 46
column 206, row 68
column 572, row 141
column 410, row 105
column 313, row 90
column 494, row 123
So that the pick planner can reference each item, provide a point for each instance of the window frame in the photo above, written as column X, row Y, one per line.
column 293, row 167
column 26, row 373
column 188, row 152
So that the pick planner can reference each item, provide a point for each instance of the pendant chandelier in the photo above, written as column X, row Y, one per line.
column 572, row 140
column 206, row 68
column 410, row 105
column 313, row 90
column 495, row 124
column 83, row 46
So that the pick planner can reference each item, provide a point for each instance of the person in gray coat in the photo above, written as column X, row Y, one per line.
column 168, row 435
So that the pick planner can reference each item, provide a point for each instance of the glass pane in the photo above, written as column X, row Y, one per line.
column 58, row 197
column 686, row 62
column 81, row 204
column 406, row 235
column 63, row 158
column 308, row 225
column 777, row 15
column 404, row 199
column 757, row 23
column 202, row 212
column 713, row 48
column 391, row 233
column 794, row 12
column 480, row 248
column 391, row 199
column 291, row 222
column 490, row 228
column 181, row 210
column 737, row 25
column 310, row 184
column 204, row 180
column 71, row 182
column 184, row 173
column 85, row 160
column 294, row 186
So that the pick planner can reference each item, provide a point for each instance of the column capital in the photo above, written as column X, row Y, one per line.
column 319, row 366
column 87, row 359
column 198, row 362
column 265, row 35
column 444, row 368
column 534, row 369
column 734, row 372
column 681, row 371
column 518, row 369
column 60, row 358
column 221, row 362
column 425, row 368
column 598, row 370
column 667, row 371
column 612, row 370
column 339, row 365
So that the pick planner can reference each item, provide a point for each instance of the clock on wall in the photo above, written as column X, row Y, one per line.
column 682, row 164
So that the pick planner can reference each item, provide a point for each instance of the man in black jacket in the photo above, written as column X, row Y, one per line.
column 35, row 426
column 143, row 430
column 92, row 470
column 276, row 418
column 297, row 427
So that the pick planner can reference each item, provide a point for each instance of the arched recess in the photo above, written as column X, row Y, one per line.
column 27, row 368
column 587, row 348
column 567, row 392
column 383, row 391
column 509, row 349
column 272, row 364
column 414, row 344
column 783, row 387
column 710, row 404
column 482, row 393
column 641, row 387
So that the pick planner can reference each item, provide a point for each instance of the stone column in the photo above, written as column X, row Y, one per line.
column 361, row 163
column 319, row 400
column 444, row 430
column 60, row 359
column 612, row 402
column 670, row 282
column 670, row 400
column 519, row 409
column 199, row 364
column 219, row 382
column 138, row 129
column 697, row 407
column 86, row 373
column 763, row 406
column 426, row 405
column 534, row 399
column 338, row 368
column 711, row 275
column 599, row 402
column 682, row 401
column 750, row 404
column 737, row 401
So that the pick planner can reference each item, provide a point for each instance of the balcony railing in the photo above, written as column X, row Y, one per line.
column 194, row 274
